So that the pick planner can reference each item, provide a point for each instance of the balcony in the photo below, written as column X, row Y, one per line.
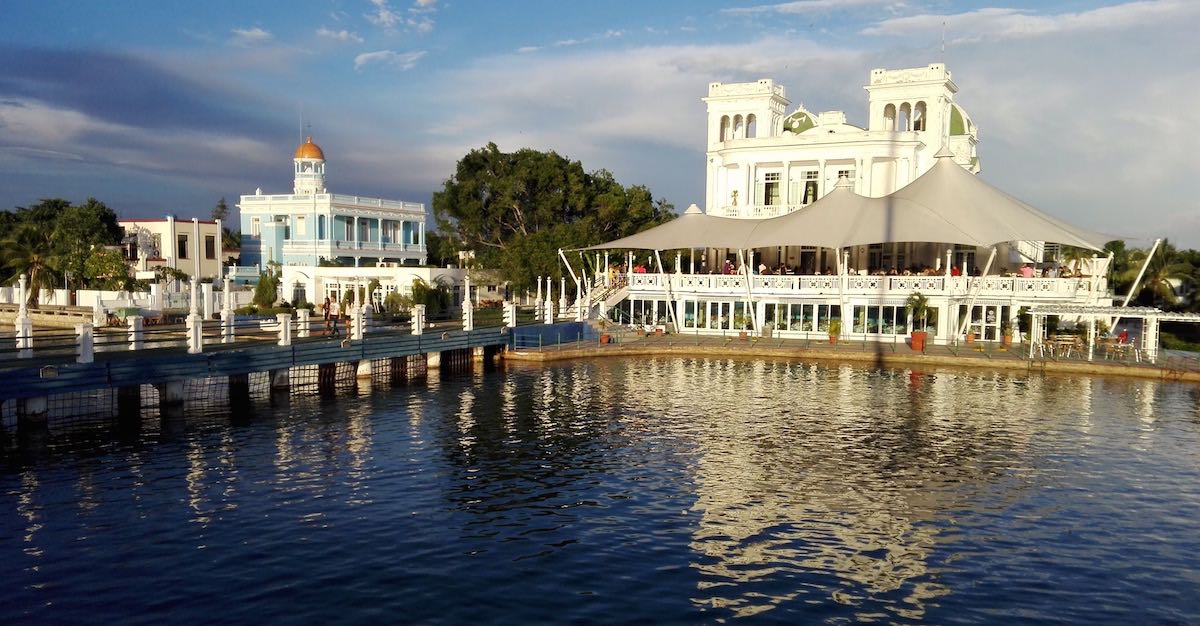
column 892, row 287
column 758, row 211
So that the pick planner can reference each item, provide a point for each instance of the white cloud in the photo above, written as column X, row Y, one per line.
column 528, row 49
column 608, row 34
column 343, row 36
column 384, row 16
column 1006, row 23
column 250, row 36
column 814, row 6
column 425, row 4
column 388, row 58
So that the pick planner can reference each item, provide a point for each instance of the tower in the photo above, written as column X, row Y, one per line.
column 921, row 101
column 310, row 169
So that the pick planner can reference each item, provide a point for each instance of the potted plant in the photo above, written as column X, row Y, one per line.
column 604, row 336
column 1006, row 333
column 917, row 307
column 835, row 330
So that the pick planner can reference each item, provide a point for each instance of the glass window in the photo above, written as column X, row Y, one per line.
column 210, row 247
column 181, row 246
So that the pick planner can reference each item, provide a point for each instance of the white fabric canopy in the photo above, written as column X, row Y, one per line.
column 693, row 229
column 947, row 204
column 986, row 213
column 843, row 218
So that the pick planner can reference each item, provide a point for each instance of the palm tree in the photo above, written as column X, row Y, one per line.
column 1167, row 271
column 30, row 251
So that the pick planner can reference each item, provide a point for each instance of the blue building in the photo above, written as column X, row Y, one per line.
column 310, row 224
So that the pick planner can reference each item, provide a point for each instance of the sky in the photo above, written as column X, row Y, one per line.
column 1085, row 109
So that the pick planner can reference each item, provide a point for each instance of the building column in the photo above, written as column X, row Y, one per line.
column 787, row 183
column 196, row 244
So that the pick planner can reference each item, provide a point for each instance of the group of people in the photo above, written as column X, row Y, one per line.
column 1028, row 271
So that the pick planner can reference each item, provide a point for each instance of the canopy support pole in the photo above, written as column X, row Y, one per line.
column 962, row 329
column 578, row 284
column 843, row 268
column 670, row 298
column 1137, row 281
column 749, row 291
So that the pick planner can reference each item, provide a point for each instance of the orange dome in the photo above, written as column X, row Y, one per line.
column 309, row 150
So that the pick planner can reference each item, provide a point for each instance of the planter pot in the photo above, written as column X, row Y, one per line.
column 918, row 340
column 605, row 338
column 658, row 332
column 970, row 337
column 743, row 335
column 833, row 339
column 1006, row 340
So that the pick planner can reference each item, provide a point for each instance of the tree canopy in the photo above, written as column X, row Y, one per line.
column 515, row 210
column 52, row 240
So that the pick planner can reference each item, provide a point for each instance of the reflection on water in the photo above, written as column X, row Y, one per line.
column 650, row 490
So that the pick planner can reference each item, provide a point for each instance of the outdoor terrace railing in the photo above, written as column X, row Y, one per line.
column 802, row 285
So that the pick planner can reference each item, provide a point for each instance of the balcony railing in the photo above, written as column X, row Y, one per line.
column 894, row 286
column 755, row 210
column 338, row 246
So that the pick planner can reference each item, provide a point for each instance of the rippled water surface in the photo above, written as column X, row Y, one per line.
column 627, row 491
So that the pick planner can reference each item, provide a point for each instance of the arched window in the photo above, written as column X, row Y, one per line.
column 725, row 128
column 305, row 166
column 905, row 117
column 738, row 130
column 751, row 126
column 889, row 117
column 919, row 116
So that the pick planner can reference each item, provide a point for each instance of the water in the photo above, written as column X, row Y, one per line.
column 628, row 491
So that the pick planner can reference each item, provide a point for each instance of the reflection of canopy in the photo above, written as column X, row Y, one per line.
column 693, row 229
column 945, row 205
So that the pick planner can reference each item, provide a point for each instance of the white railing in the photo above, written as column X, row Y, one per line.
column 754, row 210
column 764, row 285
column 316, row 247
column 341, row 200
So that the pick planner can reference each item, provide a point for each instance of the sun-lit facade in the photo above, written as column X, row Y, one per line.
column 766, row 159
column 311, row 225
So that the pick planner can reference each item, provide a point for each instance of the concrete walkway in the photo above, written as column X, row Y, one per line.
column 980, row 355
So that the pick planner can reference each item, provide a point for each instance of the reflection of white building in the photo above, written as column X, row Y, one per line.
column 926, row 224
column 190, row 246
column 311, row 225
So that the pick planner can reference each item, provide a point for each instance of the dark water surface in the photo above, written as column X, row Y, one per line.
column 627, row 491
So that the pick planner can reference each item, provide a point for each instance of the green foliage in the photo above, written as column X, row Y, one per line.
column 164, row 274
column 395, row 303
column 435, row 297
column 835, row 328
column 106, row 268
column 1167, row 268
column 917, row 306
column 515, row 210
column 52, row 239
column 221, row 211
column 266, row 292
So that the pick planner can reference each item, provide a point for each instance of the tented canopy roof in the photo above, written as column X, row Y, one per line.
column 843, row 218
column 946, row 205
column 986, row 213
column 693, row 229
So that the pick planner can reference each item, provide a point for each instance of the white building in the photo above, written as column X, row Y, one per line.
column 311, row 225
column 190, row 246
column 858, row 255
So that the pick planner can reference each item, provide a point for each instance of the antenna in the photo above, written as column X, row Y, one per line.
column 943, row 41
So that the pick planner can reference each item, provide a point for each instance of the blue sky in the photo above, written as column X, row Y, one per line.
column 1086, row 109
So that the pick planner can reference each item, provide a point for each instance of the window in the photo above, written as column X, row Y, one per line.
column 301, row 230
column 811, row 187
column 181, row 250
column 772, row 188
column 210, row 247
column 846, row 174
column 254, row 230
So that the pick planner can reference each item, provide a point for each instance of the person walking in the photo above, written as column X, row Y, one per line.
column 325, row 310
column 335, row 314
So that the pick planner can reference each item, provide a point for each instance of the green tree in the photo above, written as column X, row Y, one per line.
column 435, row 297
column 77, row 231
column 266, row 292
column 106, row 268
column 1166, row 270
column 221, row 211
column 28, row 250
column 515, row 210
column 1119, row 266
